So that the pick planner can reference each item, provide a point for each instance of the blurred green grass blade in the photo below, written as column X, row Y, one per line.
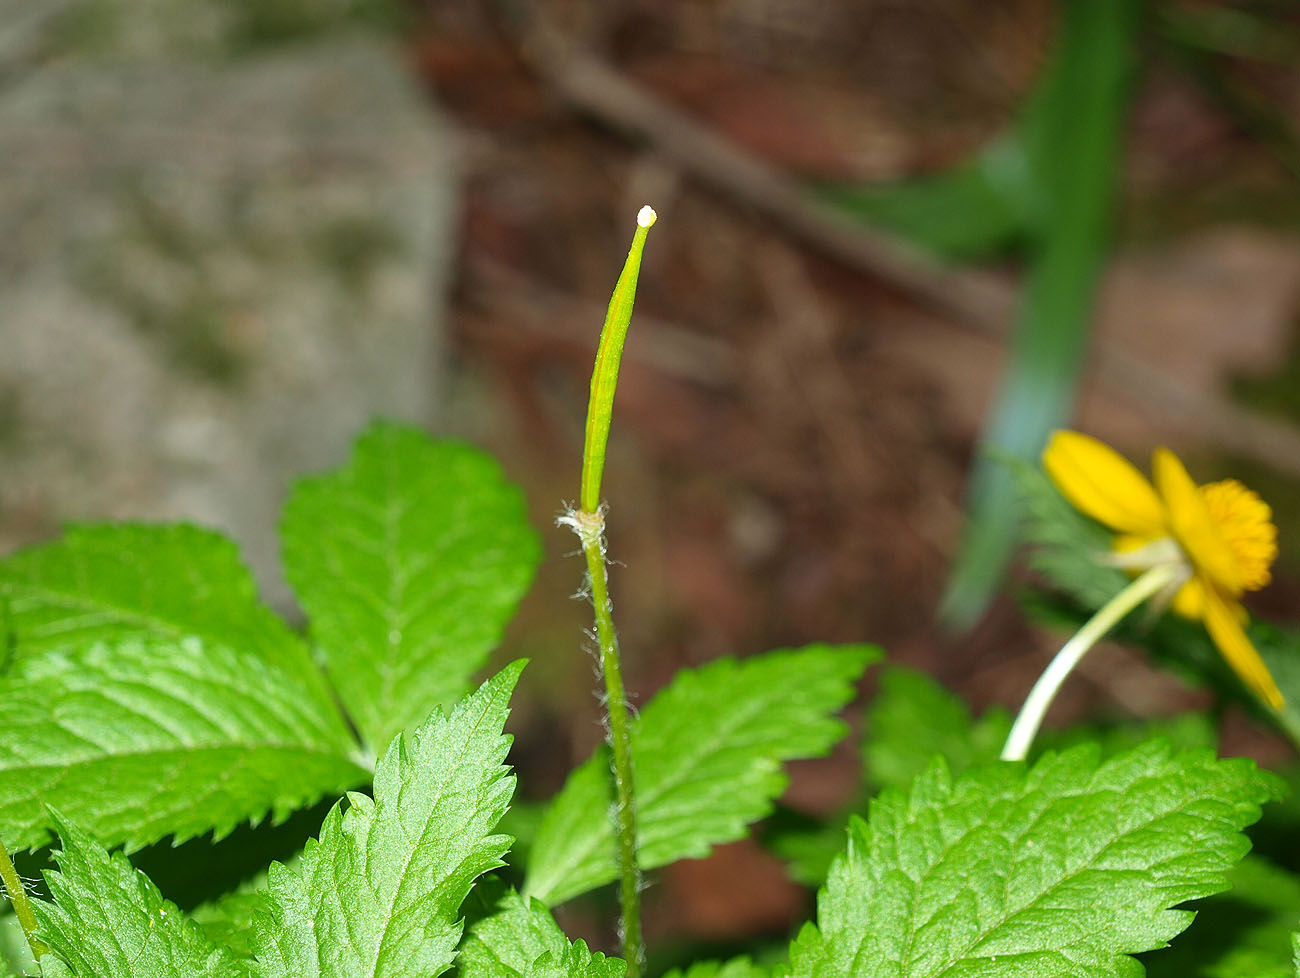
column 1233, row 31
column 1071, row 138
column 1191, row 47
column 972, row 211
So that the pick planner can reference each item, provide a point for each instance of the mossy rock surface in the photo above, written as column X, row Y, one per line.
column 214, row 270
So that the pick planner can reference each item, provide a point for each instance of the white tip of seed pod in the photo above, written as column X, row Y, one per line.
column 646, row 216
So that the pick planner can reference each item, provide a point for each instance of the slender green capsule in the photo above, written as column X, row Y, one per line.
column 604, row 378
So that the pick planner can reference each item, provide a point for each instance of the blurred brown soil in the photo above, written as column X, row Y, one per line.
column 791, row 438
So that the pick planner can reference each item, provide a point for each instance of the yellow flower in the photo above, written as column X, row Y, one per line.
column 1218, row 538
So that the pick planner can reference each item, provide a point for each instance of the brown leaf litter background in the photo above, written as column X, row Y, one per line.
column 792, row 434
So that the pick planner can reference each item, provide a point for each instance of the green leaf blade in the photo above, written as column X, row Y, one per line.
column 158, row 583
column 108, row 919
column 379, row 892
column 707, row 752
column 522, row 940
column 1064, row 544
column 409, row 560
column 1243, row 932
column 1066, row 868
column 914, row 718
column 149, row 693
column 231, row 921
column 141, row 741
column 741, row 967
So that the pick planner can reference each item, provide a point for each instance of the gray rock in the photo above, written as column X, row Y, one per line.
column 212, row 274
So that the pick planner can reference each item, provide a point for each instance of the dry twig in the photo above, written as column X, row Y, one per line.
column 979, row 299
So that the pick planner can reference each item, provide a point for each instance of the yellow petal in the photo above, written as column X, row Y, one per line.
column 1127, row 543
column 1101, row 483
column 1223, row 622
column 1192, row 525
column 1190, row 600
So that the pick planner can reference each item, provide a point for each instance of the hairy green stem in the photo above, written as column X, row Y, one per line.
column 588, row 522
column 591, row 531
column 1040, row 697
column 13, row 889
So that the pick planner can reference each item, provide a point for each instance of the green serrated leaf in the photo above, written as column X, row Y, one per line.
column 1274, row 837
column 102, row 583
column 379, row 893
column 1242, row 933
column 106, row 919
column 1062, row 869
column 913, row 719
column 52, row 967
column 409, row 561
column 807, row 845
column 707, row 752
column 522, row 940
column 741, row 967
column 7, row 640
column 231, row 921
column 522, row 822
column 141, row 740
column 1064, row 544
column 1186, row 648
column 1183, row 730
column 15, row 953
column 150, row 693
